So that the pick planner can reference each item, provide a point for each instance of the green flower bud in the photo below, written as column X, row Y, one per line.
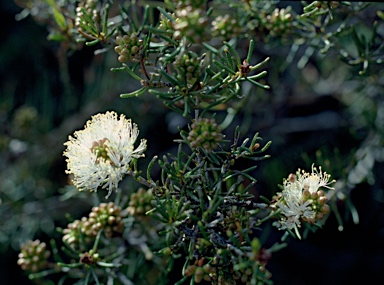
column 205, row 133
column 128, row 47
column 140, row 202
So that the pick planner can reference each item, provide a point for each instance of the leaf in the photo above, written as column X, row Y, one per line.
column 58, row 16
column 380, row 14
column 136, row 93
column 250, row 50
column 53, row 36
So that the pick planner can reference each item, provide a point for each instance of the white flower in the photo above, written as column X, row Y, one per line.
column 315, row 180
column 301, row 199
column 293, row 207
column 99, row 155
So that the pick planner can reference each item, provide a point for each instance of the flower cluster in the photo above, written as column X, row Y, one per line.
column 33, row 256
column 277, row 24
column 73, row 236
column 165, row 23
column 226, row 27
column 205, row 133
column 140, row 202
column 129, row 47
column 332, row 4
column 84, row 11
column 188, row 67
column 200, row 272
column 191, row 23
column 106, row 216
column 100, row 155
column 188, row 3
column 302, row 199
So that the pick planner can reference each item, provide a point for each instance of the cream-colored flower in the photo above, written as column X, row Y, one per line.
column 100, row 154
column 302, row 199
column 315, row 180
column 293, row 207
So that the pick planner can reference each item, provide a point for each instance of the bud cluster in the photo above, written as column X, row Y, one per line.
column 205, row 133
column 226, row 27
column 24, row 123
column 140, row 202
column 166, row 24
column 85, row 11
column 188, row 67
column 237, row 219
column 129, row 47
column 217, row 274
column 25, row 118
column 106, row 216
column 191, row 3
column 318, row 202
column 278, row 23
column 73, row 235
column 200, row 272
column 326, row 4
column 244, row 275
column 191, row 23
column 33, row 256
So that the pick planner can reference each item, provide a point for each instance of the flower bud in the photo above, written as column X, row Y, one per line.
column 33, row 256
column 291, row 177
column 201, row 134
column 198, row 276
column 323, row 200
column 325, row 209
column 306, row 194
column 189, row 270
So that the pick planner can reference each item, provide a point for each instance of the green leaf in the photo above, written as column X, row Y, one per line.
column 150, row 166
column 250, row 50
column 70, row 265
column 57, row 15
column 131, row 72
column 211, row 48
column 260, row 64
column 222, row 66
column 105, row 20
column 57, row 37
column 380, row 14
column 165, row 13
column 169, row 77
column 210, row 106
column 234, row 54
column 92, row 43
column 268, row 144
column 257, row 76
column 86, row 281
column 94, row 276
column 60, row 19
column 107, row 264
column 257, row 83
column 136, row 93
